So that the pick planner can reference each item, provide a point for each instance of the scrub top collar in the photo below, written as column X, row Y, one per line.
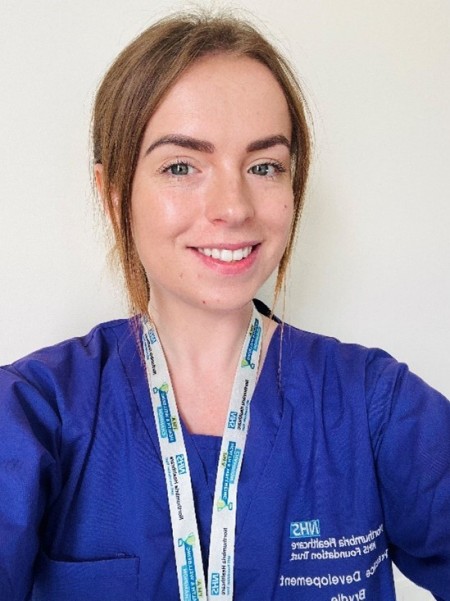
column 265, row 418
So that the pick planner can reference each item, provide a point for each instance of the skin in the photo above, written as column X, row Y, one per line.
column 213, row 172
column 218, row 199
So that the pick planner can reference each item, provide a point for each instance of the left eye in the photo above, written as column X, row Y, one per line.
column 267, row 169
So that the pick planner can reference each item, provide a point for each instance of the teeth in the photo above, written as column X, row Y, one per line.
column 226, row 255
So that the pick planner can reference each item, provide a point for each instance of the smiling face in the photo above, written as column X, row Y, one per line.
column 212, row 199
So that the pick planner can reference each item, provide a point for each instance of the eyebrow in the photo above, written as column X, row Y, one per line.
column 183, row 141
column 204, row 146
column 268, row 142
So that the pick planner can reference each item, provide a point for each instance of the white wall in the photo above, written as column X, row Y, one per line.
column 373, row 260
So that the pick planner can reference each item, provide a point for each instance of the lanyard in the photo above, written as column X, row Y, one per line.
column 186, row 541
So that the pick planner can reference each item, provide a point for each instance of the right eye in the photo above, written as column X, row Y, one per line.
column 179, row 168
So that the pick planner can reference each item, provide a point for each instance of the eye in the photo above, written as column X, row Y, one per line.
column 179, row 168
column 269, row 169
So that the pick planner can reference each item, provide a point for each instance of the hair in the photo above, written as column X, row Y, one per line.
column 136, row 84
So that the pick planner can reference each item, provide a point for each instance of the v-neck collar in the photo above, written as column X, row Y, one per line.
column 265, row 419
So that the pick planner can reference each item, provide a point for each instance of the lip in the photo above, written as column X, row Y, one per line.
column 228, row 246
column 233, row 267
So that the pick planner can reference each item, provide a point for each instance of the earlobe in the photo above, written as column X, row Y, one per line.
column 100, row 185
column 98, row 175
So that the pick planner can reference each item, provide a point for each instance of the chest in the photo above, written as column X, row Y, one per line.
column 203, row 405
column 309, row 521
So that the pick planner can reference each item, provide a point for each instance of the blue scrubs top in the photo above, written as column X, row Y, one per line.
column 347, row 467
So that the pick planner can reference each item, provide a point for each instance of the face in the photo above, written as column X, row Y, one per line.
column 212, row 199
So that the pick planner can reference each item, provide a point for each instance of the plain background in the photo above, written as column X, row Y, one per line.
column 373, row 259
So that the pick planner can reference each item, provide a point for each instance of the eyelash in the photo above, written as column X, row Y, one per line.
column 278, row 168
column 166, row 168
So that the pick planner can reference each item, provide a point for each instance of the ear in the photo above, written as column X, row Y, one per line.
column 98, row 174
column 100, row 185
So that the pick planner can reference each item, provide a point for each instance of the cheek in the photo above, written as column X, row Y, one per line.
column 285, row 215
column 288, row 208
column 158, row 215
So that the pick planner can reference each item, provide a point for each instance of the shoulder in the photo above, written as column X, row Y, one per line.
column 342, row 379
column 84, row 350
column 351, row 378
column 326, row 353
column 50, row 399
column 67, row 376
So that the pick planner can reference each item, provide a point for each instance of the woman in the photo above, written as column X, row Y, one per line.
column 130, row 468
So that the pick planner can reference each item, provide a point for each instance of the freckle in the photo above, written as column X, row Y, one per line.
column 181, row 276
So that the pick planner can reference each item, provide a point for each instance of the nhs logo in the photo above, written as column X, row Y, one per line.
column 215, row 583
column 232, row 419
column 305, row 529
column 181, row 465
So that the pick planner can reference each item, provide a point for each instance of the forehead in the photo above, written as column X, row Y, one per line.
column 223, row 94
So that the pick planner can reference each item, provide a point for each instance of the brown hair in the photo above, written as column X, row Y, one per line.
column 132, row 89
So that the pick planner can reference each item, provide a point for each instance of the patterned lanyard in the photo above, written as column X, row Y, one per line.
column 186, row 541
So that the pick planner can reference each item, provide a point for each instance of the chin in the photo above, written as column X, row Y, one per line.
column 224, row 303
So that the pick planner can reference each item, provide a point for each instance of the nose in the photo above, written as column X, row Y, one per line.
column 229, row 200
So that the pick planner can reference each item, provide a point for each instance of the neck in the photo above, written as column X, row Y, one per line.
column 197, row 339
column 204, row 346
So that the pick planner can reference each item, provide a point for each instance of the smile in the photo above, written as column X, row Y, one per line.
column 225, row 254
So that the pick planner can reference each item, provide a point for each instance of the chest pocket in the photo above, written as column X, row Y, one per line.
column 100, row 580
